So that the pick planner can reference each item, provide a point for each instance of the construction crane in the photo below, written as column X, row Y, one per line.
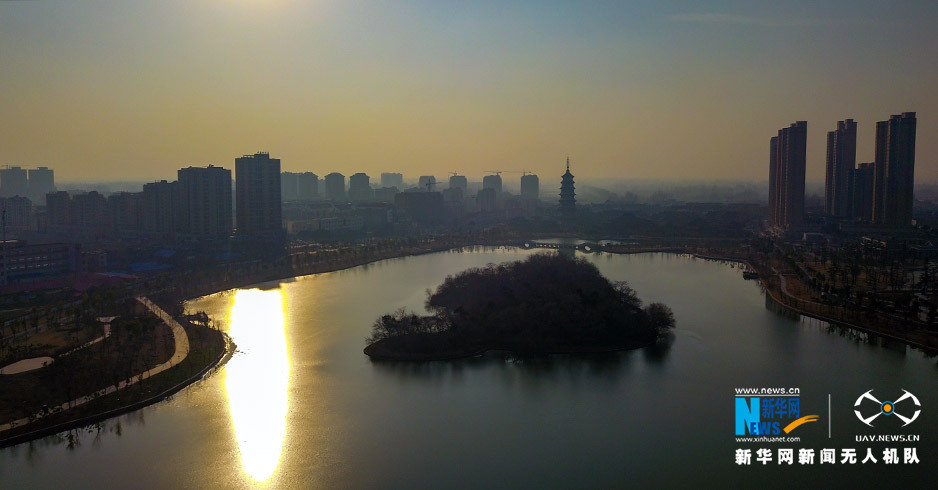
column 498, row 172
column 430, row 184
column 525, row 172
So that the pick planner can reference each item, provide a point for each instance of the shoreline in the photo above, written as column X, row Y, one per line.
column 369, row 351
column 217, row 362
column 228, row 349
column 771, row 293
column 679, row 250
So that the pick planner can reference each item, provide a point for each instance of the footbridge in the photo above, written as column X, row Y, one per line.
column 587, row 247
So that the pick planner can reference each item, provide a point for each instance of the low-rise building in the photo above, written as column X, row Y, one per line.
column 22, row 262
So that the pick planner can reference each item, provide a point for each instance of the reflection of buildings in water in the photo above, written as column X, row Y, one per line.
column 257, row 379
column 840, row 330
column 894, row 345
column 780, row 310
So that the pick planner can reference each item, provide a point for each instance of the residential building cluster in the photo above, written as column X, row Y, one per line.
column 878, row 192
column 258, row 200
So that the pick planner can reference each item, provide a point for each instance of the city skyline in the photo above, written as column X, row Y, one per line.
column 328, row 86
column 422, row 244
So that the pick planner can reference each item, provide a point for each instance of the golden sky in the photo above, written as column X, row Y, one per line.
column 135, row 90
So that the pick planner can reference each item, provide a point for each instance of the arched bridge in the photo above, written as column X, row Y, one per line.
column 587, row 247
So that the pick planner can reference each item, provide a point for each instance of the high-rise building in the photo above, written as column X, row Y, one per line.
column 386, row 194
column 420, row 207
column 160, row 208
column 57, row 209
column 567, row 192
column 88, row 212
column 485, row 198
column 493, row 182
column 454, row 194
column 879, row 170
column 392, row 180
column 205, row 197
column 459, row 182
column 427, row 183
column 125, row 211
column 307, row 186
column 787, row 169
column 773, row 179
column 861, row 192
column 13, row 182
column 41, row 182
column 894, row 170
column 16, row 213
column 257, row 194
column 334, row 184
column 359, row 188
column 530, row 187
column 841, row 160
column 289, row 186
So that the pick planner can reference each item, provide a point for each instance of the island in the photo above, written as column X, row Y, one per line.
column 545, row 304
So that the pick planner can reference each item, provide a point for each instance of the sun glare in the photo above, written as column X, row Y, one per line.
column 257, row 379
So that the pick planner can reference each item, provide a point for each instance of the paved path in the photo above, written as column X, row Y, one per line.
column 180, row 353
column 27, row 365
column 107, row 333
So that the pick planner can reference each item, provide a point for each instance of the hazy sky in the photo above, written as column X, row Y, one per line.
column 135, row 90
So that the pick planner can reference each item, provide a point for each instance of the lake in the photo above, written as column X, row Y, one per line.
column 300, row 406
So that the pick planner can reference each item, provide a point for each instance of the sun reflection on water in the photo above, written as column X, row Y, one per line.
column 257, row 379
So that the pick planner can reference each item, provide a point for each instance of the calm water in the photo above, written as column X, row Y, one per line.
column 300, row 406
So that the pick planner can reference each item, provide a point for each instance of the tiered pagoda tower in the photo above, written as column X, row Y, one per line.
column 567, row 195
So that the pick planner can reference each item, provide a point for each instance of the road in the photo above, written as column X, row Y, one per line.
column 179, row 354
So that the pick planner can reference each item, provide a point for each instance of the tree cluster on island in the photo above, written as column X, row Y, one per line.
column 547, row 303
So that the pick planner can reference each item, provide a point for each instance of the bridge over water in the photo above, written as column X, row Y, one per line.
column 587, row 247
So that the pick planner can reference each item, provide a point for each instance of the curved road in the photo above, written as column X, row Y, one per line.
column 180, row 353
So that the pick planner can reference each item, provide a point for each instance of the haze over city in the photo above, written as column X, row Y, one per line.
column 424, row 244
column 134, row 91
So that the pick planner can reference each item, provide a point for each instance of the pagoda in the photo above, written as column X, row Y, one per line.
column 567, row 199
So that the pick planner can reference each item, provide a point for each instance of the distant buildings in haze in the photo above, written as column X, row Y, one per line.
column 296, row 186
column 257, row 199
column 486, row 198
column 16, row 212
column 459, row 182
column 307, row 186
column 530, row 186
column 359, row 188
column 197, row 206
column 160, row 208
column 41, row 182
column 334, row 184
column 392, row 180
column 32, row 183
column 426, row 183
column 13, row 182
column 493, row 182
